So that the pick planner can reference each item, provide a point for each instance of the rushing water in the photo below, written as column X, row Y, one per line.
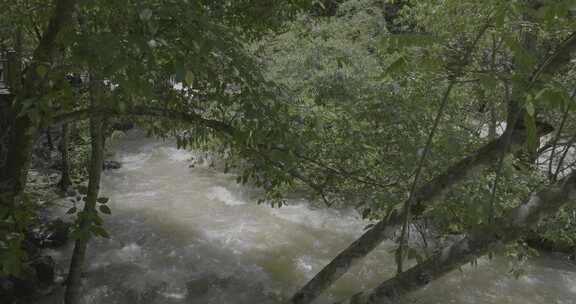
column 192, row 235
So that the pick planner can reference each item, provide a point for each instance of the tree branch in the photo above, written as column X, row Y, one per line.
column 424, row 198
column 554, row 62
column 187, row 117
column 506, row 229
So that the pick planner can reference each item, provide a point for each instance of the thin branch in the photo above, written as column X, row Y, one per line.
column 428, row 146
column 188, row 117
column 384, row 228
column 557, row 138
column 554, row 61
column 191, row 117
column 563, row 157
column 408, row 204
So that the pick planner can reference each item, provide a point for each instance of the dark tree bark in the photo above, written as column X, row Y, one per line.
column 49, row 140
column 72, row 295
column 18, row 134
column 493, row 123
column 65, row 180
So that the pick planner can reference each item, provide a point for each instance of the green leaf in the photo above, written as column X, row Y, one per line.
column 397, row 66
column 553, row 97
column 103, row 200
column 97, row 220
column 145, row 15
column 488, row 81
column 72, row 210
column 99, row 231
column 189, row 78
column 522, row 57
column 41, row 70
column 105, row 209
column 529, row 106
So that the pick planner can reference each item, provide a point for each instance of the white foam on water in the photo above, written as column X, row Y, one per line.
column 179, row 155
column 571, row 283
column 304, row 264
column 530, row 280
column 94, row 295
column 231, row 238
column 175, row 225
column 224, row 195
column 174, row 295
column 134, row 161
column 129, row 253
column 345, row 221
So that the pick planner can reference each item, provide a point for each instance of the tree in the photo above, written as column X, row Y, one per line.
column 20, row 132
column 413, row 64
column 89, row 221
column 508, row 229
column 148, row 47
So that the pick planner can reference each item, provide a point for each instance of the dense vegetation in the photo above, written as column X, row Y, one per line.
column 455, row 116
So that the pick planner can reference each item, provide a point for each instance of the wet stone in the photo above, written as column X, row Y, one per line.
column 111, row 164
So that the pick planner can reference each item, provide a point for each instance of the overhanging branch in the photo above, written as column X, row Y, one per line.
column 505, row 230
column 187, row 117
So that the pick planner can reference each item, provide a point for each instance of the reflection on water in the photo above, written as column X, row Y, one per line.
column 191, row 235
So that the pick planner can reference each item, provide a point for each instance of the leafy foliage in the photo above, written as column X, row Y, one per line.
column 338, row 103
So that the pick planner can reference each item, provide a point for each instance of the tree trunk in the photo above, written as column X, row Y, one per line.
column 15, row 138
column 15, row 153
column 384, row 229
column 85, row 217
column 17, row 135
column 493, row 123
column 49, row 140
column 65, row 181
column 17, row 131
column 505, row 230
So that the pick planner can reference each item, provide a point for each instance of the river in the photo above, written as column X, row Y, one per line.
column 192, row 235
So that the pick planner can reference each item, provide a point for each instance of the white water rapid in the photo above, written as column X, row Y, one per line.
column 192, row 235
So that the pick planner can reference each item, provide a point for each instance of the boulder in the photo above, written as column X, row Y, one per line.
column 123, row 126
column 111, row 164
column 44, row 267
column 53, row 234
column 58, row 233
column 36, row 278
